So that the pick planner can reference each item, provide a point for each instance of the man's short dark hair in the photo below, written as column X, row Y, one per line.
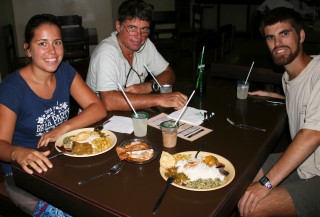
column 131, row 9
column 282, row 14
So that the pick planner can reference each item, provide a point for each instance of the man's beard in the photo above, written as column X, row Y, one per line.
column 285, row 59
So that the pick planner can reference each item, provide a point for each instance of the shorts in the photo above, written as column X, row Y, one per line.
column 305, row 193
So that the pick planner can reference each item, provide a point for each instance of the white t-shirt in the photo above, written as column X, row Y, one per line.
column 108, row 66
column 303, row 107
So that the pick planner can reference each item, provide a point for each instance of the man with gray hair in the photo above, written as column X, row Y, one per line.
column 121, row 59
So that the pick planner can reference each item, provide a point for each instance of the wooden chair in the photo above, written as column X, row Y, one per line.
column 76, row 44
column 70, row 20
column 311, row 43
column 13, row 61
column 227, row 44
column 75, row 38
column 197, row 18
column 164, row 32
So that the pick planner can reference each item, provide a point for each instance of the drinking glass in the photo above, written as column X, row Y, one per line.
column 166, row 88
column 169, row 133
column 140, row 123
column 242, row 89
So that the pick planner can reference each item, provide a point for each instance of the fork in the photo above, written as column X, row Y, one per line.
column 244, row 126
column 159, row 201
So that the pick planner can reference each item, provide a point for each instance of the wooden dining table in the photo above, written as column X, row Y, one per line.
column 136, row 188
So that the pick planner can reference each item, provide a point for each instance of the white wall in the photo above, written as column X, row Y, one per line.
column 95, row 14
column 99, row 14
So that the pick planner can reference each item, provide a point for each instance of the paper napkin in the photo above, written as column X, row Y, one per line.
column 119, row 124
column 191, row 116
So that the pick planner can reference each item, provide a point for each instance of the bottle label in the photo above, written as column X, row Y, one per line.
column 201, row 67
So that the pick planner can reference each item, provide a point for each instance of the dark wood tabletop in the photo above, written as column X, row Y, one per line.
column 136, row 188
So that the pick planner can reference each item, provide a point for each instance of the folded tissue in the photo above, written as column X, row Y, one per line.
column 119, row 124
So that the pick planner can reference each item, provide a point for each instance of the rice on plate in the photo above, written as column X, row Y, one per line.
column 199, row 174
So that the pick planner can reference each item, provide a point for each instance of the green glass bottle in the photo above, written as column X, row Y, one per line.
column 201, row 81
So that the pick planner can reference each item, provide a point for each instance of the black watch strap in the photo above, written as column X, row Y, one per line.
column 265, row 182
column 155, row 86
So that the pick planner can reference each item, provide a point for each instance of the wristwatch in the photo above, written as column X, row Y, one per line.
column 155, row 86
column 265, row 182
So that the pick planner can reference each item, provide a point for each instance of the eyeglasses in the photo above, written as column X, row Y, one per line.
column 131, row 69
column 134, row 31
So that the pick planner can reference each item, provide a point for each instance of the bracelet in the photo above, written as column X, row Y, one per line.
column 266, row 182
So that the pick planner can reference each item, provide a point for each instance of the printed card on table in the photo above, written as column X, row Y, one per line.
column 186, row 131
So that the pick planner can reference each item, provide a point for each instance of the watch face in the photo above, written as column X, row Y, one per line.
column 265, row 182
column 155, row 86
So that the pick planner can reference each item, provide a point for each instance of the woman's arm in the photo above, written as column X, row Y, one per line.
column 266, row 93
column 92, row 111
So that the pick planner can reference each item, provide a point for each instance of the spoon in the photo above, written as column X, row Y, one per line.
column 113, row 170
column 100, row 126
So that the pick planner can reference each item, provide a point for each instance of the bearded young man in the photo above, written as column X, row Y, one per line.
column 121, row 58
column 288, row 183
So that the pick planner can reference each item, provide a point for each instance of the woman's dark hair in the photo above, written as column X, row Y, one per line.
column 131, row 9
column 35, row 22
column 282, row 14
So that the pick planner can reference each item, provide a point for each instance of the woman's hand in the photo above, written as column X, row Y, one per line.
column 31, row 159
column 52, row 136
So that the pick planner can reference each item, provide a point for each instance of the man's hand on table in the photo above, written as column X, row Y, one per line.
column 175, row 100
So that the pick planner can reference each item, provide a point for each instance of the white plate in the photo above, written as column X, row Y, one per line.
column 59, row 142
column 228, row 167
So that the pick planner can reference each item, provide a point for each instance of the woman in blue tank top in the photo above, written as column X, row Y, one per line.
column 34, row 108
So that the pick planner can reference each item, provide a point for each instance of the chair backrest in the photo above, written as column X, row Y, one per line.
column 9, row 44
column 164, row 22
column 165, row 34
column 311, row 44
column 70, row 20
column 227, row 45
column 75, row 37
column 76, row 45
column 197, row 18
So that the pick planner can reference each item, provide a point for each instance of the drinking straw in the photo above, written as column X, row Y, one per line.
column 184, row 108
column 127, row 99
column 152, row 75
column 249, row 72
column 200, row 65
